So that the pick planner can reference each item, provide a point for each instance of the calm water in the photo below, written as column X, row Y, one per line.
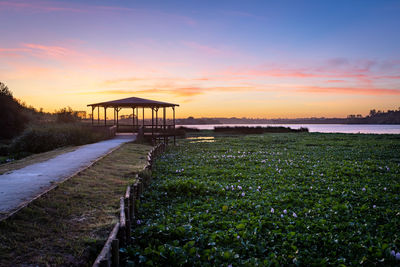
column 321, row 128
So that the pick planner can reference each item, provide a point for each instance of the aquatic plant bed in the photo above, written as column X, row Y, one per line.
column 272, row 199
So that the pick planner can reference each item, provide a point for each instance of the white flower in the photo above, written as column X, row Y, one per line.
column 138, row 222
column 238, row 237
column 281, row 215
column 243, row 194
column 364, row 189
column 398, row 256
column 272, row 210
column 374, row 206
column 310, row 187
column 239, row 187
column 294, row 215
column 258, row 190
column 384, row 188
column 285, row 211
column 238, row 181
column 259, row 187
column 250, row 187
column 230, row 265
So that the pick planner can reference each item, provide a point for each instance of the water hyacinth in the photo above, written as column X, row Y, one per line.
column 393, row 253
column 398, row 256
column 364, row 189
column 284, row 211
column 272, row 210
column 294, row 215
column 243, row 194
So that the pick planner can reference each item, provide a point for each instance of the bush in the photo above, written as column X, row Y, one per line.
column 41, row 138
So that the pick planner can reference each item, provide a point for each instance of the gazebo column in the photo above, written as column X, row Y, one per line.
column 93, row 114
column 133, row 119
column 173, row 121
column 98, row 115
column 114, row 116
column 118, row 109
column 164, row 123
column 143, row 118
column 152, row 122
column 105, row 116
column 137, row 117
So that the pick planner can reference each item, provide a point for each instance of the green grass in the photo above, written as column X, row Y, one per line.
column 273, row 199
column 71, row 223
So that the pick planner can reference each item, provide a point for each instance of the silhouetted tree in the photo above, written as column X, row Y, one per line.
column 12, row 116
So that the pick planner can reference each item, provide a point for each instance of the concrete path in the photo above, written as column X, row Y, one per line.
column 22, row 185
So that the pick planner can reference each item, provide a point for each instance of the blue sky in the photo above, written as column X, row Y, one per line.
column 260, row 58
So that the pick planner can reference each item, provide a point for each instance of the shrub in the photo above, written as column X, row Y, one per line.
column 41, row 138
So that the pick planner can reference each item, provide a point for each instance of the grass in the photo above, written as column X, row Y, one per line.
column 70, row 224
column 273, row 200
column 36, row 158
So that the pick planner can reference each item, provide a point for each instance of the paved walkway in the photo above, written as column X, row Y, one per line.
column 22, row 185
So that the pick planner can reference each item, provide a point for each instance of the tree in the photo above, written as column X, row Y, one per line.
column 372, row 112
column 4, row 91
column 12, row 115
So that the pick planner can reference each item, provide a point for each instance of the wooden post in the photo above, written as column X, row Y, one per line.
column 122, row 222
column 105, row 116
column 98, row 114
column 133, row 119
column 143, row 118
column 173, row 109
column 152, row 123
column 117, row 118
column 114, row 116
column 115, row 253
column 92, row 114
column 164, row 123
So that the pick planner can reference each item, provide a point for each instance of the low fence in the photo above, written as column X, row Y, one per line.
column 121, row 234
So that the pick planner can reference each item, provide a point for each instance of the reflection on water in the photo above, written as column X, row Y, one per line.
column 321, row 128
column 201, row 139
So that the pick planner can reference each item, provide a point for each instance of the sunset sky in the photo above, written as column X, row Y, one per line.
column 263, row 59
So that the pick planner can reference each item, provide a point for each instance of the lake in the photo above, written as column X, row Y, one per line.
column 321, row 128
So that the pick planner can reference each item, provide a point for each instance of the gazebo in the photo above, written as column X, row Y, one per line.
column 157, row 130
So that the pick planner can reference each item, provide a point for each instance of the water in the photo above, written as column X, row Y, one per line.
column 321, row 128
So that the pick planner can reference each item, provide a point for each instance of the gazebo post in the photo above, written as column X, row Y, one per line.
column 152, row 123
column 133, row 119
column 137, row 117
column 143, row 119
column 98, row 115
column 156, row 121
column 164, row 123
column 114, row 116
column 92, row 114
column 117, row 118
column 105, row 116
column 173, row 121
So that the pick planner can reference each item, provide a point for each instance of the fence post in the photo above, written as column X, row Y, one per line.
column 122, row 222
column 115, row 252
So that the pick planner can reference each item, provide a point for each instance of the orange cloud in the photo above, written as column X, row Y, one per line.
column 180, row 91
column 349, row 90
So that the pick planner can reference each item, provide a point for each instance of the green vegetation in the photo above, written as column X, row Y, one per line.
column 41, row 138
column 273, row 199
column 69, row 225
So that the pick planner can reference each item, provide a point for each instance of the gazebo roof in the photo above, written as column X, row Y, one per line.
column 133, row 102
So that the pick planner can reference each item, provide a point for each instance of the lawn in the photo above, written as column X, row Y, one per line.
column 273, row 199
column 70, row 224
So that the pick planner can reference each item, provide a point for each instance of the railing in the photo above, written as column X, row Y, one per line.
column 128, row 210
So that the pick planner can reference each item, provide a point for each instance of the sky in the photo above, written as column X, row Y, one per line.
column 258, row 59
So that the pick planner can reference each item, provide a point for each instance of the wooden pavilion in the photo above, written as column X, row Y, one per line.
column 157, row 130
